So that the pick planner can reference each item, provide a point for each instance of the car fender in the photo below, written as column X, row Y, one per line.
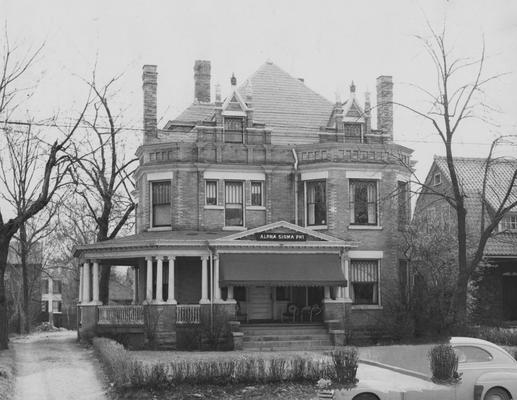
column 505, row 379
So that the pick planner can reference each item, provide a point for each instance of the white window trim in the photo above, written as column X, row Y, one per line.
column 314, row 175
column 211, row 207
column 232, row 227
column 256, row 208
column 361, row 254
column 160, row 176
column 150, row 185
column 403, row 178
column 216, row 192
column 314, row 227
column 234, row 176
column 439, row 179
column 378, row 226
column 369, row 175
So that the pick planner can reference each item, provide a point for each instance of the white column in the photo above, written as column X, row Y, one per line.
column 159, row 279
column 135, row 285
column 86, row 281
column 149, row 280
column 204, row 280
column 172, row 297
column 346, row 262
column 80, row 283
column 217, row 289
column 95, row 281
column 230, row 292
column 326, row 291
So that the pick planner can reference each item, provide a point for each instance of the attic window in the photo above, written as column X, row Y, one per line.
column 437, row 179
column 233, row 130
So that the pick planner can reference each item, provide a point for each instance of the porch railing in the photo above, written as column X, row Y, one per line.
column 121, row 315
column 188, row 314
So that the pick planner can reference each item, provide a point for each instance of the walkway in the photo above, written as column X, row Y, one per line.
column 52, row 366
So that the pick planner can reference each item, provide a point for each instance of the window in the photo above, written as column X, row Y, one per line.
column 161, row 203
column 404, row 279
column 56, row 306
column 239, row 293
column 233, row 215
column 403, row 204
column 256, row 193
column 316, row 203
column 56, row 287
column 44, row 306
column 437, row 179
column 509, row 223
column 364, row 278
column 363, row 202
column 282, row 293
column 472, row 354
column 44, row 286
column 211, row 193
column 352, row 130
column 233, row 130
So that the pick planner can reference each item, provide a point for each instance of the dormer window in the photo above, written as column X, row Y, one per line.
column 437, row 179
column 233, row 129
column 353, row 132
column 509, row 223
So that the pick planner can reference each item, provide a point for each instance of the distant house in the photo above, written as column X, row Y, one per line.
column 497, row 283
column 270, row 206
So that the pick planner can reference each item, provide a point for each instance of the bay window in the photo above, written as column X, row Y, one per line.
column 363, row 202
column 233, row 204
column 364, row 282
column 316, row 206
column 161, row 203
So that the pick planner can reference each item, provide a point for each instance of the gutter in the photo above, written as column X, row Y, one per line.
column 295, row 165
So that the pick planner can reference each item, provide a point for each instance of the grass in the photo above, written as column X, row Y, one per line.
column 6, row 374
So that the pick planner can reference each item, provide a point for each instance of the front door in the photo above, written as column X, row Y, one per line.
column 509, row 297
column 260, row 305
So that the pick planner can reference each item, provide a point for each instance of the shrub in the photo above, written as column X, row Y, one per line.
column 501, row 336
column 7, row 376
column 345, row 365
column 444, row 364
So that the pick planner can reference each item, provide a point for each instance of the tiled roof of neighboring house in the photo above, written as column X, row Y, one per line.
column 293, row 111
column 471, row 172
column 504, row 244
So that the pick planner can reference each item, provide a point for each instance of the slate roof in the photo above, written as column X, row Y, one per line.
column 288, row 107
column 471, row 171
column 502, row 244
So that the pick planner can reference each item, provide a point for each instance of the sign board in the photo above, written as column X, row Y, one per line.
column 281, row 237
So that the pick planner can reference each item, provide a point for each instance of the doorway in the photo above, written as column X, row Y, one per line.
column 260, row 304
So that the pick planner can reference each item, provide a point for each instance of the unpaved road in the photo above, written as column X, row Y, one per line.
column 52, row 366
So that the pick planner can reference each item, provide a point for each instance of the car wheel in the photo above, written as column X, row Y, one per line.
column 366, row 396
column 497, row 394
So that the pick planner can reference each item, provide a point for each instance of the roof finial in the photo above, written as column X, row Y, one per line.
column 233, row 80
column 352, row 87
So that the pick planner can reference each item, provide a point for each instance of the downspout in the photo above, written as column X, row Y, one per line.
column 211, row 292
column 295, row 165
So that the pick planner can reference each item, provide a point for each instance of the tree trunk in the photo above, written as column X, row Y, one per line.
column 26, row 326
column 4, row 329
column 460, row 296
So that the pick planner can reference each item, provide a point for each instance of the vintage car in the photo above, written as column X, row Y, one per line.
column 488, row 372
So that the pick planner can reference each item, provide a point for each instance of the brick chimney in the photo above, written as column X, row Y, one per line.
column 149, row 86
column 385, row 105
column 202, row 81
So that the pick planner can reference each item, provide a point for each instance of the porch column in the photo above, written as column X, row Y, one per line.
column 86, row 282
column 230, row 292
column 204, row 281
column 326, row 292
column 159, row 279
column 95, row 282
column 80, row 284
column 135, row 285
column 149, row 280
column 217, row 289
column 172, row 296
column 346, row 268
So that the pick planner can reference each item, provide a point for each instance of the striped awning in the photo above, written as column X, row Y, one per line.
column 251, row 269
column 364, row 271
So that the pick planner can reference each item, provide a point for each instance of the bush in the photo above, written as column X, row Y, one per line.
column 500, row 336
column 444, row 364
column 7, row 376
column 345, row 365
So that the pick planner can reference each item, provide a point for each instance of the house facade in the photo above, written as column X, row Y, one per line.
column 272, row 205
column 494, row 286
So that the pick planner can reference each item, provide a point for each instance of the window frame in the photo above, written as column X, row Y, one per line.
column 306, row 190
column 352, row 204
column 437, row 182
column 242, row 203
column 506, row 223
column 261, row 185
column 211, row 181
column 151, row 205
column 57, row 286
column 227, row 139
column 376, row 290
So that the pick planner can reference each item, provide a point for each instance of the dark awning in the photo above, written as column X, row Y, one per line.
column 280, row 270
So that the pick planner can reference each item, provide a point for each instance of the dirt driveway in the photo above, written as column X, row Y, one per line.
column 52, row 366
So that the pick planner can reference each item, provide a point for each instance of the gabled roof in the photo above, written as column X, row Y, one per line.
column 502, row 245
column 471, row 172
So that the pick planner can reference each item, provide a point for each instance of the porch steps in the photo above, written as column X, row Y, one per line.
column 166, row 340
column 274, row 337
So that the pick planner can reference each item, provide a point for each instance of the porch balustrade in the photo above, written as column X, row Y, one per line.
column 188, row 314
column 121, row 315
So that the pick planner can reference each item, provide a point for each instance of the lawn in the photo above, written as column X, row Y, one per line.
column 6, row 374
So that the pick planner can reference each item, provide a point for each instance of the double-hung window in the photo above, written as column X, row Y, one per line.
column 363, row 202
column 233, row 203
column 233, row 130
column 316, row 206
column 256, row 193
column 509, row 223
column 56, row 287
column 161, row 203
column 364, row 279
column 211, row 193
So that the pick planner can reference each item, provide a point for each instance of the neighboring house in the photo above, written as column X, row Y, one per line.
column 496, row 294
column 52, row 300
column 270, row 205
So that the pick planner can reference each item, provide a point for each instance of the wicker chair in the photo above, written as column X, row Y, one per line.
column 291, row 313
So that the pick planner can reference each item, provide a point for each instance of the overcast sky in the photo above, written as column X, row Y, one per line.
column 328, row 43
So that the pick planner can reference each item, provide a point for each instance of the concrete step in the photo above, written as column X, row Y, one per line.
column 287, row 345
column 287, row 337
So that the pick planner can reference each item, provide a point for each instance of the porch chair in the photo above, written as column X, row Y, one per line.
column 291, row 314
column 315, row 311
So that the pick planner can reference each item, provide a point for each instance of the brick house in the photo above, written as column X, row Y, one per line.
column 271, row 206
column 496, row 282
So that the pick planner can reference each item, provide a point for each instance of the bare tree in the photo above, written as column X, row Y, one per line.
column 103, row 176
column 460, row 84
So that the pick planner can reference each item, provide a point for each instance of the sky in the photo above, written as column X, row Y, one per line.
column 328, row 43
